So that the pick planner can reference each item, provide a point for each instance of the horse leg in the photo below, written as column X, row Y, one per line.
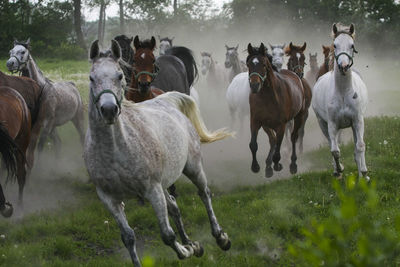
column 46, row 132
column 277, row 153
column 196, row 174
column 232, row 114
column 127, row 234
column 255, row 167
column 57, row 142
column 359, row 147
column 21, row 178
column 159, row 203
column 174, row 212
column 288, row 132
column 301, row 132
column 298, row 122
column 333, row 134
column 79, row 123
column 6, row 208
column 272, row 143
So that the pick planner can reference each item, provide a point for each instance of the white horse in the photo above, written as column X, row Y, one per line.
column 340, row 98
column 278, row 54
column 213, row 71
column 139, row 150
column 60, row 102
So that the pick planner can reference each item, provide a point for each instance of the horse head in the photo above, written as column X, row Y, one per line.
column 125, row 44
column 258, row 65
column 19, row 56
column 145, row 69
column 343, row 46
column 107, row 81
column 231, row 56
column 296, row 60
column 165, row 44
column 205, row 62
column 313, row 61
column 277, row 55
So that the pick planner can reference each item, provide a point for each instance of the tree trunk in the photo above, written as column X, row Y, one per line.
column 121, row 16
column 78, row 24
column 100, row 26
column 175, row 7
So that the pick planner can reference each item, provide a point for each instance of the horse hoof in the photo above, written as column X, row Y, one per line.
column 278, row 167
column 223, row 241
column 8, row 210
column 197, row 249
column 269, row 172
column 255, row 167
column 365, row 176
column 293, row 168
column 186, row 252
column 338, row 175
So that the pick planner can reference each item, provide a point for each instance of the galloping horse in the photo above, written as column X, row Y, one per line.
column 15, row 130
column 232, row 62
column 174, row 71
column 311, row 75
column 138, row 150
column 275, row 99
column 277, row 53
column 296, row 64
column 60, row 101
column 165, row 44
column 32, row 94
column 214, row 72
column 340, row 100
column 328, row 61
column 127, row 59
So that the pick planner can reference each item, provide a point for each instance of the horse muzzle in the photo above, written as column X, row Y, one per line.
column 12, row 65
column 203, row 71
column 227, row 64
column 144, row 87
column 255, row 87
column 109, row 112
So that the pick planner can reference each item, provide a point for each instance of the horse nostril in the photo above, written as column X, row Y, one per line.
column 10, row 63
column 115, row 109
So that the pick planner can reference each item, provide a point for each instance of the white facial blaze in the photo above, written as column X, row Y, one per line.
column 143, row 55
column 298, row 55
column 255, row 61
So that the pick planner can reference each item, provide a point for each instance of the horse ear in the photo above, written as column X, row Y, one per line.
column 270, row 45
column 309, row 54
column 334, row 28
column 249, row 49
column 226, row 47
column 28, row 42
column 159, row 37
column 94, row 50
column 291, row 46
column 153, row 42
column 173, row 37
column 262, row 49
column 283, row 46
column 115, row 49
column 236, row 48
column 351, row 29
column 131, row 39
column 304, row 47
column 136, row 42
column 15, row 41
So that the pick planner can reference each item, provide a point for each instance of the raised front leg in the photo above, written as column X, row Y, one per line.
column 127, row 234
column 158, row 201
column 255, row 167
column 333, row 138
column 359, row 147
column 298, row 123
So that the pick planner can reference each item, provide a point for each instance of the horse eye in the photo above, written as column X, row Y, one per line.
column 120, row 76
column 334, row 46
column 23, row 52
column 91, row 78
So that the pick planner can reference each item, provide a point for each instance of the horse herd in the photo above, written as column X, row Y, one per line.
column 145, row 130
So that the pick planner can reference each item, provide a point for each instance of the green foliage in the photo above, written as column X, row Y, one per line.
column 352, row 235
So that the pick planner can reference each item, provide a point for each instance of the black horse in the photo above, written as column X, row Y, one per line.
column 127, row 55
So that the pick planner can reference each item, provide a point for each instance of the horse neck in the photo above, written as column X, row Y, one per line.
column 314, row 67
column 212, row 66
column 34, row 72
column 236, row 65
column 269, row 90
column 343, row 83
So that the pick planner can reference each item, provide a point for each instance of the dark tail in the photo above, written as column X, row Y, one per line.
column 10, row 152
column 186, row 55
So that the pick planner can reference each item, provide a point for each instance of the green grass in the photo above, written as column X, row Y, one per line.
column 260, row 220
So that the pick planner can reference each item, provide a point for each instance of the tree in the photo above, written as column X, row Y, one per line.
column 121, row 16
column 78, row 24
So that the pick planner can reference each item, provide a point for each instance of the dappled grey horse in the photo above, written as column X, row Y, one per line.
column 60, row 102
column 232, row 62
column 165, row 44
column 277, row 55
column 139, row 149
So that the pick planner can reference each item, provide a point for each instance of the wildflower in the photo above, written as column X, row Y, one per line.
column 385, row 142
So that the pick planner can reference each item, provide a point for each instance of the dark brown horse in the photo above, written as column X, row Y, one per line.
column 296, row 64
column 328, row 61
column 15, row 131
column 144, row 72
column 275, row 99
column 31, row 92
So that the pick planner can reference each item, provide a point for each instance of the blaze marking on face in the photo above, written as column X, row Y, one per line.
column 298, row 55
column 255, row 61
column 143, row 55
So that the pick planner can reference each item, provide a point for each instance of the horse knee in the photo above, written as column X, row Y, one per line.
column 253, row 146
column 360, row 146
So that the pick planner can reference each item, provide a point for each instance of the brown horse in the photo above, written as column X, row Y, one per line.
column 144, row 72
column 275, row 99
column 31, row 92
column 15, row 131
column 328, row 61
column 296, row 64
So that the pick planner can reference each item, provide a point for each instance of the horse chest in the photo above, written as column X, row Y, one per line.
column 342, row 112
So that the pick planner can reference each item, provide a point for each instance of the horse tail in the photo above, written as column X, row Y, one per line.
column 186, row 55
column 10, row 152
column 188, row 106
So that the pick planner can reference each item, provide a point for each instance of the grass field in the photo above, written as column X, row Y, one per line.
column 262, row 221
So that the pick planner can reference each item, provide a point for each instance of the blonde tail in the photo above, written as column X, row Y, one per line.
column 188, row 106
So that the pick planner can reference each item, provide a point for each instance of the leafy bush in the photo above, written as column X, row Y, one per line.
column 350, row 236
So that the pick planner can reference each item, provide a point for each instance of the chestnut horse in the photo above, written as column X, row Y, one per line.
column 275, row 99
column 31, row 92
column 296, row 64
column 328, row 61
column 15, row 133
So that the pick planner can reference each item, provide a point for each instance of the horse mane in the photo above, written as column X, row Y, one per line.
column 341, row 28
column 26, row 45
column 262, row 53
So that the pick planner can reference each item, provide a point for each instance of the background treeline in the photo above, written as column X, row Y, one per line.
column 58, row 29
